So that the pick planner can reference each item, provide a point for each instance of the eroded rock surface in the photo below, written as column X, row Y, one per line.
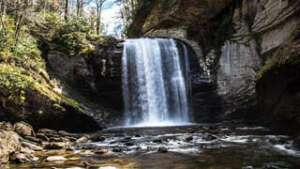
column 240, row 41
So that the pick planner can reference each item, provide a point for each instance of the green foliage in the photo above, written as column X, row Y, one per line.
column 74, row 43
column 70, row 36
column 75, row 24
column 52, row 20
column 21, row 63
column 24, row 51
column 13, row 84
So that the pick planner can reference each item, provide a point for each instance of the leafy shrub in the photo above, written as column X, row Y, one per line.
column 13, row 84
column 24, row 52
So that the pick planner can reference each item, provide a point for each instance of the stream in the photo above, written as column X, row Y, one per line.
column 183, row 147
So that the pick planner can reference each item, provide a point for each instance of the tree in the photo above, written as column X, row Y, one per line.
column 129, row 9
column 99, row 6
column 66, row 9
column 79, row 7
column 21, row 12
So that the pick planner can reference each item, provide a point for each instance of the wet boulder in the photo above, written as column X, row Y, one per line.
column 162, row 149
column 296, row 143
column 9, row 143
column 24, row 129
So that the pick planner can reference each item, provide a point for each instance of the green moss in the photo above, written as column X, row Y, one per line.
column 22, row 68
column 285, row 55
column 15, row 83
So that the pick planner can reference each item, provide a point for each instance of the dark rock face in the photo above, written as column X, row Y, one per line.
column 233, row 40
column 279, row 98
column 93, row 79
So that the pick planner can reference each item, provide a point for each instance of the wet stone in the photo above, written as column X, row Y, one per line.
column 162, row 149
column 33, row 139
column 48, row 132
column 56, row 158
column 248, row 167
column 82, row 140
column 157, row 141
column 296, row 143
column 210, row 137
column 188, row 139
column 22, row 158
column 117, row 150
column 6, row 126
column 42, row 136
column 101, row 151
column 55, row 145
column 129, row 144
column 24, row 129
column 98, row 138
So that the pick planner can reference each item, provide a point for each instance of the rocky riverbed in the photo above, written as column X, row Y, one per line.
column 206, row 146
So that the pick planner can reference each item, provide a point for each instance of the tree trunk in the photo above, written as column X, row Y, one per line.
column 98, row 21
column 66, row 9
column 79, row 7
column 99, row 13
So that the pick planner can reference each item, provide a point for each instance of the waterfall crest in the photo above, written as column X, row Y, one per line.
column 155, row 82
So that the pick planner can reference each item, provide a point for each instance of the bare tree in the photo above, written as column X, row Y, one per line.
column 79, row 7
column 66, row 9
column 99, row 6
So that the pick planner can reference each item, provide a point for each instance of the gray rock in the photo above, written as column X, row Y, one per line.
column 162, row 149
column 117, row 149
column 22, row 158
column 9, row 143
column 83, row 139
column 56, row 145
column 24, row 129
column 31, row 146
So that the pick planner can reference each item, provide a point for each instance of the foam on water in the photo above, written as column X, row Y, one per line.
column 155, row 82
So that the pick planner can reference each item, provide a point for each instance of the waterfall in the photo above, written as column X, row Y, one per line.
column 155, row 82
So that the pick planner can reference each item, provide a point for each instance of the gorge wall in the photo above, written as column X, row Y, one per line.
column 250, row 50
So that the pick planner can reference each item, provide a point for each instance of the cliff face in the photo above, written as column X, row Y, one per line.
column 235, row 40
column 55, row 77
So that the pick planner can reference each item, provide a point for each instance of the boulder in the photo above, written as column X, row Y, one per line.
column 9, row 143
column 162, row 150
column 6, row 126
column 24, row 129
column 83, row 139
column 296, row 143
column 57, row 145
column 22, row 158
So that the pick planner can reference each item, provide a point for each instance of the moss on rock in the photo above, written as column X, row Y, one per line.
column 26, row 91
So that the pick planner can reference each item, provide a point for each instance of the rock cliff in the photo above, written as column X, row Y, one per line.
column 244, row 46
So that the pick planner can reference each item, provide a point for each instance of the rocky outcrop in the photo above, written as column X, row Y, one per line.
column 236, row 38
column 22, row 149
column 28, row 97
column 11, row 148
column 278, row 87
column 94, row 78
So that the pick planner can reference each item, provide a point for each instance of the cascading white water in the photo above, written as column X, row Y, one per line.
column 155, row 85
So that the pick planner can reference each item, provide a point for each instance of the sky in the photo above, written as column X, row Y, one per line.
column 111, row 18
